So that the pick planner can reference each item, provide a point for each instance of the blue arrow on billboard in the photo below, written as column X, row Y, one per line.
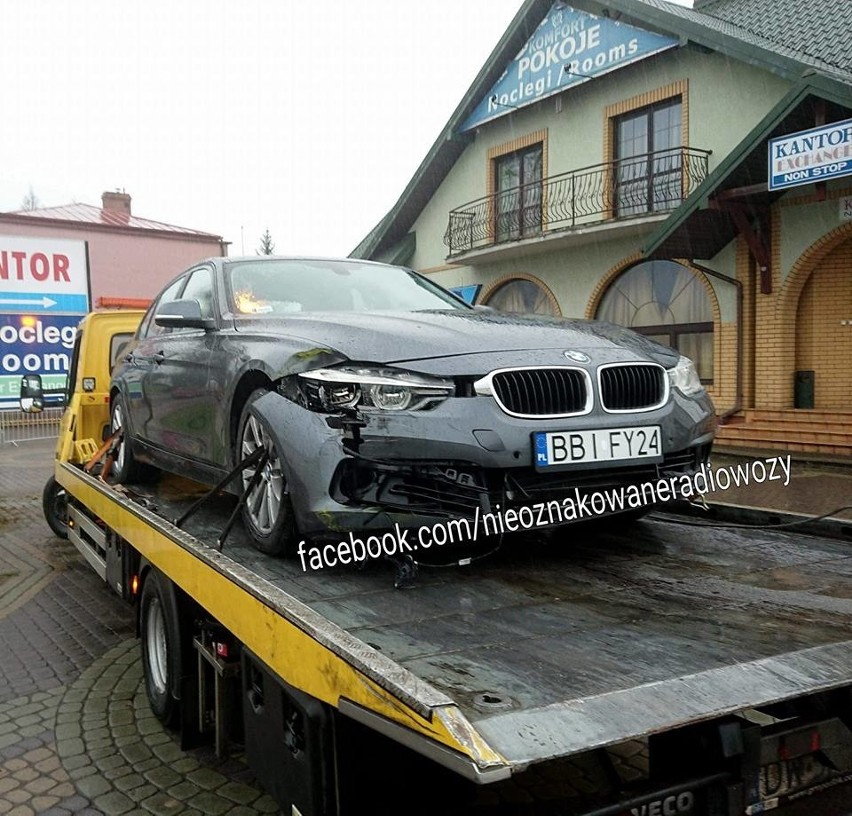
column 71, row 303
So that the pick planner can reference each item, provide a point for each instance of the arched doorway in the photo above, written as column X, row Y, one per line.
column 667, row 302
column 824, row 331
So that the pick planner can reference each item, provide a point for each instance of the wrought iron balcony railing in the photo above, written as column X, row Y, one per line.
column 640, row 185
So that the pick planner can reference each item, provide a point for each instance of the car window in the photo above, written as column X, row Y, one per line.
column 286, row 286
column 149, row 328
column 147, row 318
column 117, row 345
column 200, row 287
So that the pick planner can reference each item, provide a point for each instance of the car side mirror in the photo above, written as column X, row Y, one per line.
column 32, row 394
column 481, row 307
column 182, row 314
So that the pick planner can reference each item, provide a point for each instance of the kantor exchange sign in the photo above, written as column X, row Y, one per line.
column 817, row 154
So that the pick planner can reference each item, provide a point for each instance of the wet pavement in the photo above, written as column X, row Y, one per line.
column 814, row 488
column 76, row 733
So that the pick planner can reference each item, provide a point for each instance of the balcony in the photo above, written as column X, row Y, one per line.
column 638, row 186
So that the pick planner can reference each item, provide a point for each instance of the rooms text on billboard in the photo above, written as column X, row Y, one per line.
column 36, row 346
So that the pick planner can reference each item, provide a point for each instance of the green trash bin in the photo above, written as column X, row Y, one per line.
column 804, row 390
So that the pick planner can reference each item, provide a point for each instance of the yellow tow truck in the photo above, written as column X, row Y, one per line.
column 531, row 675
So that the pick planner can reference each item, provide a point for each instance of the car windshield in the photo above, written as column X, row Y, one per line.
column 288, row 286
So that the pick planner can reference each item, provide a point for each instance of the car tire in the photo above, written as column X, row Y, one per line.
column 126, row 468
column 267, row 512
column 160, row 649
column 54, row 505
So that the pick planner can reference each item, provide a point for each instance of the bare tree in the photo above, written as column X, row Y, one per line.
column 267, row 246
column 30, row 201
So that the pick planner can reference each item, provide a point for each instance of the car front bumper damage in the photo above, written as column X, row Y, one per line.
column 375, row 470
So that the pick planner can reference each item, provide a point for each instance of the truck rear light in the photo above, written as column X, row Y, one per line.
column 798, row 744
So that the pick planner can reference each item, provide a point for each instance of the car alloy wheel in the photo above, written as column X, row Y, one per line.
column 126, row 468
column 267, row 512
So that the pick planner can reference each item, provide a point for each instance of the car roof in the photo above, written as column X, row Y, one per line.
column 332, row 258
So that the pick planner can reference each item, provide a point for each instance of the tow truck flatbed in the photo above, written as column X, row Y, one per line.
column 725, row 655
column 555, row 645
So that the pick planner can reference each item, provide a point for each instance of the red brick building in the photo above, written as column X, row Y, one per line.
column 129, row 256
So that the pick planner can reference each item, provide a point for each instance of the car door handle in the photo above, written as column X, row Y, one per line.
column 158, row 357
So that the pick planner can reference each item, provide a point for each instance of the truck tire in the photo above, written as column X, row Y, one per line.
column 267, row 513
column 126, row 468
column 54, row 505
column 160, row 640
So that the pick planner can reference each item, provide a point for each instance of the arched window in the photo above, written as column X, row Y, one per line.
column 524, row 296
column 667, row 302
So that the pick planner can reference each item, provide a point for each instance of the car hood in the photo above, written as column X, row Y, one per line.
column 401, row 338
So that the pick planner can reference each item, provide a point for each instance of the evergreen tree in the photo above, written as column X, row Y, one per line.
column 267, row 246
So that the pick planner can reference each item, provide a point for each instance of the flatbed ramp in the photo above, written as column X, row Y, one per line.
column 600, row 636
column 559, row 643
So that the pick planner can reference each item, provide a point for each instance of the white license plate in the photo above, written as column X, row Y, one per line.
column 556, row 448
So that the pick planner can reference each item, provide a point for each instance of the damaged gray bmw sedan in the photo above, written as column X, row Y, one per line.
column 372, row 398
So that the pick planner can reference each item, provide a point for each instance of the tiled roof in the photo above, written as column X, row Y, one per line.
column 88, row 214
column 818, row 28
column 808, row 32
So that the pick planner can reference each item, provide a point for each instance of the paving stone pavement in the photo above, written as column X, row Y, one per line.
column 76, row 733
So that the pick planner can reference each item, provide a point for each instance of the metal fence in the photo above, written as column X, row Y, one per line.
column 17, row 426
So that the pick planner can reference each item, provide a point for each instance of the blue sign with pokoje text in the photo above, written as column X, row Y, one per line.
column 817, row 154
column 569, row 47
column 34, row 344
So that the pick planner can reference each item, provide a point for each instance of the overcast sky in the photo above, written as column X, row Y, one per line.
column 302, row 117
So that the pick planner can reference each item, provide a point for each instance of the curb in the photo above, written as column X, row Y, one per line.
column 769, row 519
column 838, row 462
column 121, row 759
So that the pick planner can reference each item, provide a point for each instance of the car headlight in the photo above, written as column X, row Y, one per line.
column 371, row 388
column 684, row 377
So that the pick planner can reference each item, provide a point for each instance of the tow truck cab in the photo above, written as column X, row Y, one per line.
column 99, row 341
